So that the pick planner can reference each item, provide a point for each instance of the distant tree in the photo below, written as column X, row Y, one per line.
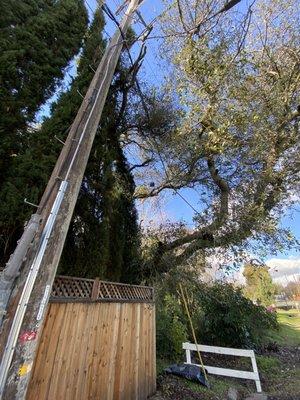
column 279, row 288
column 221, row 314
column 292, row 289
column 37, row 41
column 259, row 285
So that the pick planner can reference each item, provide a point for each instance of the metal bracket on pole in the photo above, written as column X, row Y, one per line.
column 80, row 94
column 59, row 140
column 30, row 204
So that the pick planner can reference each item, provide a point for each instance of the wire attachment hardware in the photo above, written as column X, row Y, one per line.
column 59, row 140
column 80, row 94
column 30, row 204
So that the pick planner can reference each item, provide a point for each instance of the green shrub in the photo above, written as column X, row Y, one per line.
column 221, row 315
column 170, row 330
column 230, row 319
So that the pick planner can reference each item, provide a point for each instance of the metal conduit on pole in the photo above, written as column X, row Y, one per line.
column 21, row 309
column 33, row 289
column 12, row 268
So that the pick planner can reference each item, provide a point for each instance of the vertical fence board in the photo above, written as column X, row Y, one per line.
column 58, row 372
column 73, row 350
column 82, row 359
column 67, row 383
column 113, row 351
column 45, row 368
column 148, row 351
column 141, row 367
column 46, row 341
column 153, row 350
column 93, row 353
column 125, row 339
column 132, row 371
column 105, row 344
column 118, row 365
column 136, row 353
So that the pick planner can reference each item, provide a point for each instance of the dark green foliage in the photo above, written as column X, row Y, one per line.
column 230, row 319
column 221, row 315
column 171, row 332
column 38, row 39
column 102, row 238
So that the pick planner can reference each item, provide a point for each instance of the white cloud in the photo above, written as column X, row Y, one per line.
column 284, row 269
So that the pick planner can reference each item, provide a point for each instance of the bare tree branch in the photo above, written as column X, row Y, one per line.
column 181, row 16
column 143, row 164
column 223, row 187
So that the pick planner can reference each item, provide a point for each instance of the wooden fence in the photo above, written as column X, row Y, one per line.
column 253, row 375
column 102, row 347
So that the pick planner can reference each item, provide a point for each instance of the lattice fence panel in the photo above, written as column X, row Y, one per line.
column 66, row 287
column 75, row 288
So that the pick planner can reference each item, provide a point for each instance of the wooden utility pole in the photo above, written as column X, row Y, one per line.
column 26, row 310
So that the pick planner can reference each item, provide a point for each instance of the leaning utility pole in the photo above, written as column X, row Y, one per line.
column 40, row 249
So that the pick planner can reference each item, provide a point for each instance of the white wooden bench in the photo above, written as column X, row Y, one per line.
column 253, row 375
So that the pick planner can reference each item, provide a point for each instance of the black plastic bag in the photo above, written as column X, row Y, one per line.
column 188, row 371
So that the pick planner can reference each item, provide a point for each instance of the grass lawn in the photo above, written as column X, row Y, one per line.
column 289, row 331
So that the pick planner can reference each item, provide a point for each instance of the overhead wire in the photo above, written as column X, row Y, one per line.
column 195, row 30
column 109, row 13
column 88, row 5
column 116, row 4
column 156, row 79
column 93, row 11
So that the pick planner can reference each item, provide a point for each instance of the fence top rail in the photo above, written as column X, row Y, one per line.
column 218, row 350
column 68, row 288
column 188, row 347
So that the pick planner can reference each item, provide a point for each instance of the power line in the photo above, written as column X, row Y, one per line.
column 148, row 63
column 115, row 3
column 93, row 11
column 88, row 5
column 113, row 18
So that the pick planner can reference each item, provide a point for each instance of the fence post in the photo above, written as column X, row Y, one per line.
column 188, row 356
column 95, row 289
column 255, row 370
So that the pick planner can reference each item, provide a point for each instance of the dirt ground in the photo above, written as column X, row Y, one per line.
column 279, row 369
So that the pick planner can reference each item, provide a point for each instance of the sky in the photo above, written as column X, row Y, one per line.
column 283, row 266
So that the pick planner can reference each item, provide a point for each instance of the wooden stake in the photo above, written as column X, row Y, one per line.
column 193, row 330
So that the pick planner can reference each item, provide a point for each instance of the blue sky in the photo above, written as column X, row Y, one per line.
column 174, row 208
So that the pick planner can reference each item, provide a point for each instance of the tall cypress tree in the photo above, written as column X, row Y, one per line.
column 103, row 236
column 38, row 39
